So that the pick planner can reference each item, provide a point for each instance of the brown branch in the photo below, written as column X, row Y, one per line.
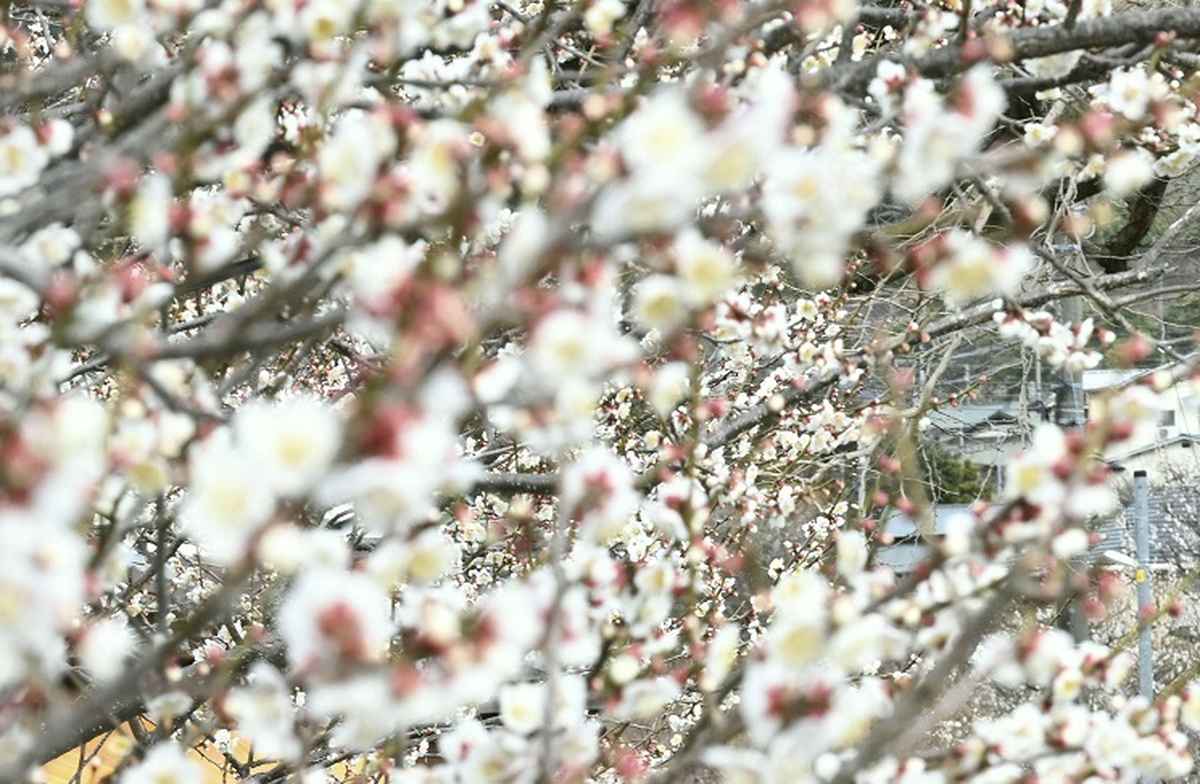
column 1124, row 28
column 1143, row 209
column 96, row 712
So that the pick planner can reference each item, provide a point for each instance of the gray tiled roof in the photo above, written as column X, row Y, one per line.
column 1174, row 531
column 1174, row 527
column 963, row 419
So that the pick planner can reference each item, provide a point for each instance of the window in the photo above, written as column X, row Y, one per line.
column 1167, row 419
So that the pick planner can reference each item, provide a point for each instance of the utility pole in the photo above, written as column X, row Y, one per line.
column 1068, row 413
column 1145, row 605
column 1141, row 533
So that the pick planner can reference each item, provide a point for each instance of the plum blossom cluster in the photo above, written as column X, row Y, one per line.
column 939, row 134
column 1073, row 346
column 238, row 474
column 523, row 392
column 1062, row 737
column 1058, row 484
column 965, row 267
column 26, row 151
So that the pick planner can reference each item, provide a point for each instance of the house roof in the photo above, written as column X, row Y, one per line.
column 1104, row 378
column 1174, row 531
column 901, row 525
column 908, row 551
column 966, row 418
column 1184, row 440
column 1174, row 527
column 1100, row 379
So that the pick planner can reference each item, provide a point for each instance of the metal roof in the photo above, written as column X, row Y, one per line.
column 901, row 525
column 1183, row 440
column 1100, row 379
column 1103, row 378
column 904, row 554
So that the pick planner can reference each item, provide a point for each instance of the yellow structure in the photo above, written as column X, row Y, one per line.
column 103, row 755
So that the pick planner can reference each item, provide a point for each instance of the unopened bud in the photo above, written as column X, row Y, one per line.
column 974, row 51
column 1133, row 350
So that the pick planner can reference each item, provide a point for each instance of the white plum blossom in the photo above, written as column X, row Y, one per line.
column 706, row 270
column 796, row 642
column 973, row 268
column 670, row 385
column 264, row 713
column 801, row 591
column 17, row 301
column 21, row 159
column 721, row 655
column 105, row 647
column 330, row 615
column 601, row 14
column 598, row 488
column 42, row 588
column 852, row 552
column 1037, row 134
column 522, row 707
column 386, row 494
column 569, row 344
column 645, row 204
column 52, row 246
column 1069, row 543
column 1190, row 711
column 1129, row 92
column 350, row 159
column 939, row 137
column 644, row 699
column 433, row 166
column 291, row 443
column 321, row 20
column 1127, row 171
column 426, row 558
column 150, row 212
column 658, row 303
column 108, row 15
column 814, row 200
column 229, row 501
column 663, row 136
column 889, row 76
